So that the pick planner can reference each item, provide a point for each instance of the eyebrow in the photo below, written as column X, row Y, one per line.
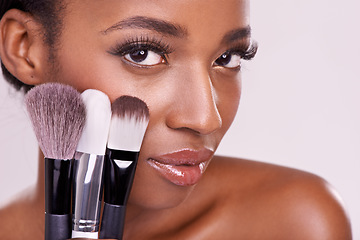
column 149, row 23
column 237, row 34
column 171, row 29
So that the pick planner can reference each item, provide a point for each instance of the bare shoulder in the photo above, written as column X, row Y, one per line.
column 21, row 217
column 277, row 201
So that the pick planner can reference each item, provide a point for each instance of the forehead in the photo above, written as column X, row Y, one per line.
column 192, row 15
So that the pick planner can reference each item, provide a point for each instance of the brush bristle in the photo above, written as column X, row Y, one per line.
column 57, row 113
column 130, row 118
column 98, row 114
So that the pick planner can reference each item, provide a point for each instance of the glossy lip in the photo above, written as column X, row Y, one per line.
column 183, row 167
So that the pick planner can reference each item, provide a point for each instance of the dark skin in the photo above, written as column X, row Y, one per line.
column 271, row 203
column 193, row 98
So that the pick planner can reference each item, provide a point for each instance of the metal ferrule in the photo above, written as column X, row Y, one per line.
column 119, row 175
column 88, row 174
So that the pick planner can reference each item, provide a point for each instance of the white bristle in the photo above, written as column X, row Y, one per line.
column 129, row 121
column 98, row 114
column 57, row 113
column 126, row 133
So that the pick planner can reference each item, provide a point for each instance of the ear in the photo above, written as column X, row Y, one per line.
column 22, row 48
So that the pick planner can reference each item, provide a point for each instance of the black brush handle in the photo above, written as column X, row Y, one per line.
column 58, row 179
column 113, row 219
column 117, row 186
column 57, row 227
column 118, row 180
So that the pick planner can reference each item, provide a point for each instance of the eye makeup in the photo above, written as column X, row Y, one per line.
column 143, row 44
column 231, row 59
column 146, row 51
column 245, row 50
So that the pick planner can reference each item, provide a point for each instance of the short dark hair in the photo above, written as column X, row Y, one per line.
column 48, row 13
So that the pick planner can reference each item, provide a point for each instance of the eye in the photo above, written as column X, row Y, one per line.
column 142, row 51
column 228, row 60
column 144, row 57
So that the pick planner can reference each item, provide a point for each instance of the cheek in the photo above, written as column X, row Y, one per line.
column 228, row 98
column 81, row 72
column 95, row 71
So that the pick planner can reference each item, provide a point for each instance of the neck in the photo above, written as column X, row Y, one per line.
column 40, row 183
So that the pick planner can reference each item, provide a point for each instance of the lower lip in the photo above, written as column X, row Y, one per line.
column 181, row 175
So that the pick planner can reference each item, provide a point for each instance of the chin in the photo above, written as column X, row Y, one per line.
column 161, row 197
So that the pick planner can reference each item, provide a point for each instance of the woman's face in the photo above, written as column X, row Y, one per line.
column 182, row 58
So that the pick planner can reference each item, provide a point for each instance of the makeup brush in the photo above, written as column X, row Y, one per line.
column 88, row 169
column 130, row 118
column 57, row 114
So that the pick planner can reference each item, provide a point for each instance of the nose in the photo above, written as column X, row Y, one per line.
column 194, row 105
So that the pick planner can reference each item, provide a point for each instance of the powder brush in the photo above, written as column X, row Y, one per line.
column 57, row 114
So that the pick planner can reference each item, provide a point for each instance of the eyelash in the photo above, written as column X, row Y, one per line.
column 137, row 44
column 245, row 51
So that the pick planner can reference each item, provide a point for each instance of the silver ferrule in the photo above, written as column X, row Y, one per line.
column 87, row 192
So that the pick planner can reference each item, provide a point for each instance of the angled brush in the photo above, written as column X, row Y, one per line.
column 58, row 116
column 130, row 118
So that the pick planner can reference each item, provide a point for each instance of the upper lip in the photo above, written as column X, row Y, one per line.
column 185, row 157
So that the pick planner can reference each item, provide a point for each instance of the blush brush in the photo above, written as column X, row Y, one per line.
column 57, row 114
column 130, row 118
